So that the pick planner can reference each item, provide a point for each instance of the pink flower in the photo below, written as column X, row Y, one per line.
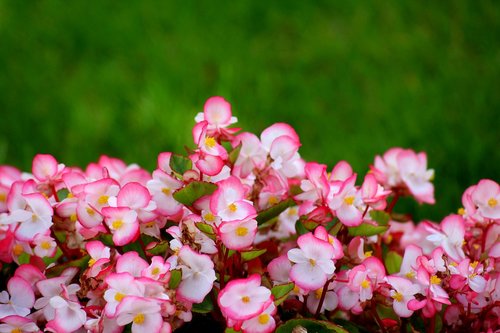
column 468, row 273
column 119, row 286
column 451, row 236
column 18, row 324
column 137, row 197
column 18, row 300
column 158, row 270
column 315, row 186
column 68, row 315
column 486, row 197
column 252, row 154
column 403, row 292
column 217, row 113
column 330, row 302
column 45, row 168
column 162, row 187
column 262, row 323
column 99, row 256
column 313, row 262
column 122, row 221
column 238, row 235
column 346, row 203
column 198, row 275
column 243, row 299
column 143, row 313
column 228, row 201
column 373, row 193
column 45, row 246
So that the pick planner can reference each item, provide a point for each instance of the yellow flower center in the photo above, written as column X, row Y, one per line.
column 232, row 208
column 461, row 211
column 139, row 319
column 149, row 224
column 73, row 218
column 474, row 264
column 473, row 275
column 368, row 254
column 349, row 200
column 155, row 271
column 166, row 191
column 103, row 199
column 16, row 330
column 398, row 297
column 245, row 299
column 318, row 292
column 119, row 297
column 90, row 211
column 263, row 318
column 17, row 250
column 70, row 195
column 117, row 224
column 292, row 211
column 365, row 284
column 3, row 197
column 45, row 245
column 210, row 142
column 92, row 262
column 273, row 200
column 410, row 274
column 492, row 202
column 34, row 218
column 241, row 231
column 312, row 262
column 209, row 217
column 435, row 280
column 454, row 264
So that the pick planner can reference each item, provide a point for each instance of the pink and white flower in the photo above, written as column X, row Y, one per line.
column 18, row 300
column 143, row 313
column 198, row 275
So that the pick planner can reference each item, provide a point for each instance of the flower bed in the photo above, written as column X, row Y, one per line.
column 242, row 233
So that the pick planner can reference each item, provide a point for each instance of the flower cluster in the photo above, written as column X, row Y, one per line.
column 245, row 233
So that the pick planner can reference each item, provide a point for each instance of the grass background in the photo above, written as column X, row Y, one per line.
column 84, row 78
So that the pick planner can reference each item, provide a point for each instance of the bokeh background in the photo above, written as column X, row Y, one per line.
column 83, row 78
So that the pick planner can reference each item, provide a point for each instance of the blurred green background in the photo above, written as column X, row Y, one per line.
column 84, row 78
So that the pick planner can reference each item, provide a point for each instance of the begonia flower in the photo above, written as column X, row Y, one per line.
column 18, row 299
column 198, row 275
column 143, row 313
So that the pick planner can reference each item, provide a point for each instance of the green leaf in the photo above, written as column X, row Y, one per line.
column 316, row 326
column 367, row 229
column 24, row 258
column 180, row 164
column 274, row 211
column 175, row 278
column 379, row 216
column 233, row 155
column 62, row 194
column 230, row 330
column 136, row 247
column 204, row 307
column 158, row 249
column 252, row 254
column 281, row 291
column 81, row 263
column 206, row 228
column 193, row 191
column 268, row 224
column 299, row 228
column 49, row 260
column 107, row 240
column 393, row 262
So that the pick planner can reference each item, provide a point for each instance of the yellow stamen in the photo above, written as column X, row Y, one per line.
column 365, row 284
column 454, row 264
column 3, row 197
column 103, row 199
column 476, row 246
column 117, row 224
column 492, row 202
column 70, row 195
column 34, row 218
column 318, row 292
column 368, row 254
column 273, row 200
column 435, row 280
column 473, row 275
column 461, row 211
column 263, row 318
column 16, row 330
column 292, row 211
column 474, row 264
column 149, row 224
column 312, row 262
column 92, row 262
column 119, row 297
column 209, row 217
column 210, row 142
column 73, row 218
column 166, row 191
column 241, row 231
column 17, row 250
column 245, row 299
column 296, row 289
column 232, row 208
column 45, row 245
column 155, row 271
column 139, row 319
column 349, row 200
column 410, row 274
column 90, row 211
column 388, row 239
column 398, row 297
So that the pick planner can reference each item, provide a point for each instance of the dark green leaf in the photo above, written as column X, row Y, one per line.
column 393, row 262
column 24, row 258
column 367, row 229
column 136, row 247
column 62, row 194
column 193, row 191
column 175, row 278
column 204, row 307
column 299, row 228
column 159, row 249
column 252, row 254
column 281, row 291
column 81, row 263
column 205, row 228
column 379, row 216
column 316, row 326
column 268, row 224
column 233, row 155
column 274, row 211
column 49, row 260
column 180, row 164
